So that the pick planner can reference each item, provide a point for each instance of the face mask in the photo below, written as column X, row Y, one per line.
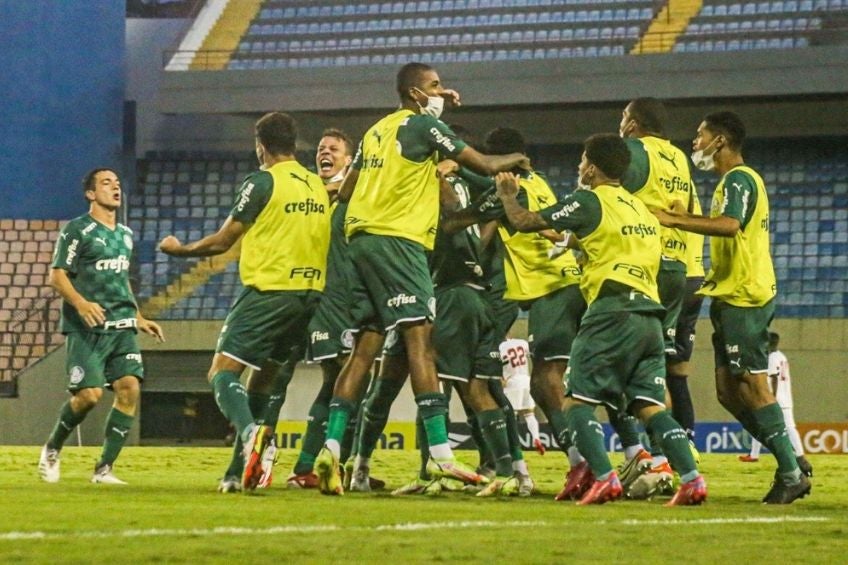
column 435, row 105
column 703, row 161
column 624, row 132
column 581, row 185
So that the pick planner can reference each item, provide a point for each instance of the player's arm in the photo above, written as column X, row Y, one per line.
column 214, row 244
column 491, row 164
column 519, row 217
column 91, row 312
column 678, row 216
column 349, row 181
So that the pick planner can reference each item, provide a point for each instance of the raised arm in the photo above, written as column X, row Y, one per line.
column 214, row 244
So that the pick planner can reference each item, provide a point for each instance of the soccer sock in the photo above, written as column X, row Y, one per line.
column 232, row 400
column 675, row 444
column 118, row 427
column 279, row 387
column 532, row 425
column 520, row 467
column 483, row 448
column 755, row 449
column 347, row 438
column 236, row 468
column 257, row 402
column 375, row 414
column 423, row 448
column 68, row 420
column 574, row 457
column 313, row 439
column 560, row 425
column 433, row 409
column 773, row 429
column 340, row 412
column 681, row 403
column 588, row 435
column 749, row 422
column 625, row 426
column 493, row 429
column 496, row 390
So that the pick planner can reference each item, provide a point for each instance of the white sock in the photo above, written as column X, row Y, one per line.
column 755, row 449
column 532, row 425
column 574, row 457
column 520, row 467
column 632, row 451
column 334, row 447
column 361, row 462
column 441, row 452
column 658, row 460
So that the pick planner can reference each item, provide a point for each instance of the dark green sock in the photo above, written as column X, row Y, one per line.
column 493, row 428
column 625, row 426
column 257, row 402
column 559, row 424
column 749, row 422
column 313, row 439
column 236, row 468
column 118, row 427
column 423, row 448
column 588, row 435
column 68, row 420
column 349, row 434
column 772, row 427
column 487, row 459
column 375, row 414
column 496, row 390
column 675, row 442
column 433, row 409
column 279, row 387
column 340, row 412
column 232, row 400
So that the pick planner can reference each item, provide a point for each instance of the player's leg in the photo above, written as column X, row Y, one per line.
column 316, row 426
column 678, row 368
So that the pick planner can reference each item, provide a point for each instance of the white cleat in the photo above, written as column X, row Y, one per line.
column 360, row 481
column 48, row 465
column 230, row 484
column 103, row 475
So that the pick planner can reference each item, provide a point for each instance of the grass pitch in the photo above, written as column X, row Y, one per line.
column 170, row 512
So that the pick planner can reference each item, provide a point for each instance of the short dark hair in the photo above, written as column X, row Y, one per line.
column 89, row 179
column 464, row 134
column 609, row 153
column 774, row 338
column 409, row 76
column 277, row 132
column 341, row 136
column 729, row 125
column 501, row 141
column 650, row 114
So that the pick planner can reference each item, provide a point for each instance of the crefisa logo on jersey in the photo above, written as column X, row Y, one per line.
column 77, row 374
column 118, row 264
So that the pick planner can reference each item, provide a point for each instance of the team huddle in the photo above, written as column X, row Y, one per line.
column 414, row 254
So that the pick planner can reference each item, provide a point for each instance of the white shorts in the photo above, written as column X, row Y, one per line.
column 517, row 391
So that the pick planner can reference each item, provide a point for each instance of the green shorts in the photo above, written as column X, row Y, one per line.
column 392, row 282
column 553, row 323
column 671, row 284
column 331, row 328
column 504, row 313
column 618, row 353
column 96, row 360
column 463, row 335
column 266, row 324
column 684, row 339
column 740, row 337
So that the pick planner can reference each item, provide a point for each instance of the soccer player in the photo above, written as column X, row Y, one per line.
column 390, row 224
column 281, row 214
column 515, row 355
column 780, row 383
column 619, row 346
column 742, row 284
column 658, row 175
column 100, row 318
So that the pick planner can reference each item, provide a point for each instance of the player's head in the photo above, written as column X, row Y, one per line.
column 276, row 134
column 720, row 134
column 102, row 187
column 773, row 341
column 420, row 88
column 643, row 116
column 605, row 158
column 334, row 153
column 502, row 141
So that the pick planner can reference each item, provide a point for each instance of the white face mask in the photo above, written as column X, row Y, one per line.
column 435, row 105
column 703, row 161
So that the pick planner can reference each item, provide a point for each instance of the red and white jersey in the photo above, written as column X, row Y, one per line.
column 779, row 365
column 515, row 354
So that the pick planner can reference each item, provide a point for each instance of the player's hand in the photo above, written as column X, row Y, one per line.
column 506, row 185
column 170, row 245
column 451, row 96
column 91, row 313
column 524, row 164
column 151, row 328
column 446, row 167
column 678, row 209
column 666, row 218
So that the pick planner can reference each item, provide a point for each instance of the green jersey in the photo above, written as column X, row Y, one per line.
column 339, row 264
column 456, row 257
column 97, row 260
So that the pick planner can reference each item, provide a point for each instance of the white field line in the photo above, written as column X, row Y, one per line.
column 402, row 527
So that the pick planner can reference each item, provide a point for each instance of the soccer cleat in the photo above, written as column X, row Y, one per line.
column 360, row 480
column 451, row 485
column 748, row 459
column 690, row 494
column 347, row 473
column 658, row 480
column 376, row 484
column 304, row 480
column 486, row 471
column 804, row 465
column 503, row 486
column 526, row 486
column 782, row 493
column 327, row 469
column 603, row 491
column 416, row 486
column 103, row 475
column 229, row 484
column 540, row 447
column 254, row 449
column 578, row 480
column 454, row 469
column 631, row 470
column 269, row 459
column 434, row 488
column 48, row 465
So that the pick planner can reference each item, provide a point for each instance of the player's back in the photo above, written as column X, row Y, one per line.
column 515, row 354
